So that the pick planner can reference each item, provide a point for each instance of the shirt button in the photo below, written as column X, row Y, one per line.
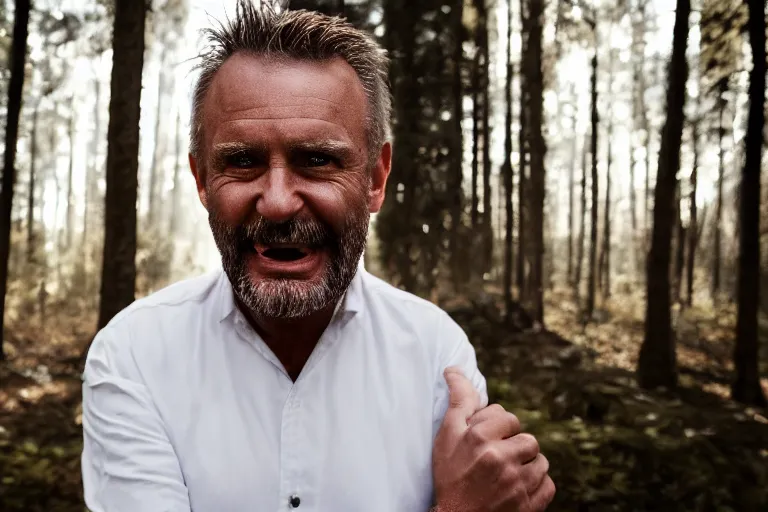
column 295, row 501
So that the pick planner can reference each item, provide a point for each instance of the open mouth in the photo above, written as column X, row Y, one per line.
column 283, row 253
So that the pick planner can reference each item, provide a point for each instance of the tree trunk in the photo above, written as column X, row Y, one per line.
column 506, row 171
column 156, row 168
column 605, row 257
column 458, row 266
column 522, row 186
column 538, row 149
column 91, row 175
column 590, row 306
column 679, row 248
column 118, row 279
column 746, row 387
column 693, row 228
column 70, row 229
column 657, row 360
column 582, row 221
column 487, row 229
column 476, row 116
column 717, row 249
column 173, row 229
column 571, row 199
column 18, row 55
column 31, row 188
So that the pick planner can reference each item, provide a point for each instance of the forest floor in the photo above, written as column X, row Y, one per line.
column 611, row 445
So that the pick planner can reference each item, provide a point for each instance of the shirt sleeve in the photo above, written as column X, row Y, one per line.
column 128, row 463
column 456, row 350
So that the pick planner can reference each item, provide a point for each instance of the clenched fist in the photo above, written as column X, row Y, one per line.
column 481, row 462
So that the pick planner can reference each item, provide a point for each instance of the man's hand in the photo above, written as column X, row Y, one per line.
column 481, row 462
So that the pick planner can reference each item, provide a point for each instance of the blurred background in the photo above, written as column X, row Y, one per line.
column 577, row 182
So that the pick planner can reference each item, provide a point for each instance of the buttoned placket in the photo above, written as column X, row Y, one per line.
column 296, row 474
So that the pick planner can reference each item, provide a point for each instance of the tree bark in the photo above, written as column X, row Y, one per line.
column 522, row 186
column 476, row 117
column 118, row 279
column 605, row 257
column 18, row 55
column 693, row 228
column 657, row 360
column 70, row 173
column 31, row 185
column 506, row 172
column 582, row 221
column 679, row 248
column 538, row 150
column 717, row 249
column 173, row 229
column 155, row 170
column 571, row 199
column 458, row 267
column 746, row 387
column 590, row 305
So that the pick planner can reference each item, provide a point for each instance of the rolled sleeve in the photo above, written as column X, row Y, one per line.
column 128, row 462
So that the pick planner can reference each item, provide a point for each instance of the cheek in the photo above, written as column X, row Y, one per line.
column 232, row 202
column 334, row 201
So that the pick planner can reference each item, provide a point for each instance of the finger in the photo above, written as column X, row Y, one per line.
column 522, row 448
column 535, row 472
column 542, row 497
column 464, row 400
column 494, row 423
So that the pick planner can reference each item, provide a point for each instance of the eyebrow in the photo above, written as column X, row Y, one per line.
column 220, row 152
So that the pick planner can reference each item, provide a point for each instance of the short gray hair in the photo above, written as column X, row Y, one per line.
column 263, row 29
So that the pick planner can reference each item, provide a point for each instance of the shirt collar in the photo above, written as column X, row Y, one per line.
column 350, row 303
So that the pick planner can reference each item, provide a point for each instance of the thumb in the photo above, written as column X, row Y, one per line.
column 464, row 400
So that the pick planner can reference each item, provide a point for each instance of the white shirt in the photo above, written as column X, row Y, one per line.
column 186, row 408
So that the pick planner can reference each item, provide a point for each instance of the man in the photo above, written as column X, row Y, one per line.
column 295, row 379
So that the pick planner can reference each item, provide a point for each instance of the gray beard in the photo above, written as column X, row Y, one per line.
column 286, row 298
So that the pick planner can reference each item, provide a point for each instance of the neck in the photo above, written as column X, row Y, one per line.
column 292, row 340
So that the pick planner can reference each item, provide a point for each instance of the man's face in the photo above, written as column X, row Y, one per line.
column 284, row 174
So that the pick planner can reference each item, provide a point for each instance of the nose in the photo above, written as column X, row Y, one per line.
column 279, row 200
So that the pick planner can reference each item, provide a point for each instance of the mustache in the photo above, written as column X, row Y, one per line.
column 309, row 232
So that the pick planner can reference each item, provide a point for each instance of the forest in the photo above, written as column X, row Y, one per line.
column 577, row 182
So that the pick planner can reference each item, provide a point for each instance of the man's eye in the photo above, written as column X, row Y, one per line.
column 317, row 160
column 241, row 160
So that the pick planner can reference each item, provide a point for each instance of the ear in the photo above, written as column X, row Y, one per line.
column 199, row 180
column 379, row 176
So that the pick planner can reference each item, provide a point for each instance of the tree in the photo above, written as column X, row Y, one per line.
column 118, row 278
column 571, row 190
column 522, row 186
column 537, row 181
column 693, row 227
column 506, row 170
column 15, row 88
column 458, row 265
column 590, row 305
column 582, row 221
column 657, row 361
column 746, row 387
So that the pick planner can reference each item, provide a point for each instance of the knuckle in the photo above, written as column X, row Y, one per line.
column 512, row 475
column 490, row 457
column 476, row 435
column 529, row 442
column 496, row 409
column 513, row 419
column 544, row 463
